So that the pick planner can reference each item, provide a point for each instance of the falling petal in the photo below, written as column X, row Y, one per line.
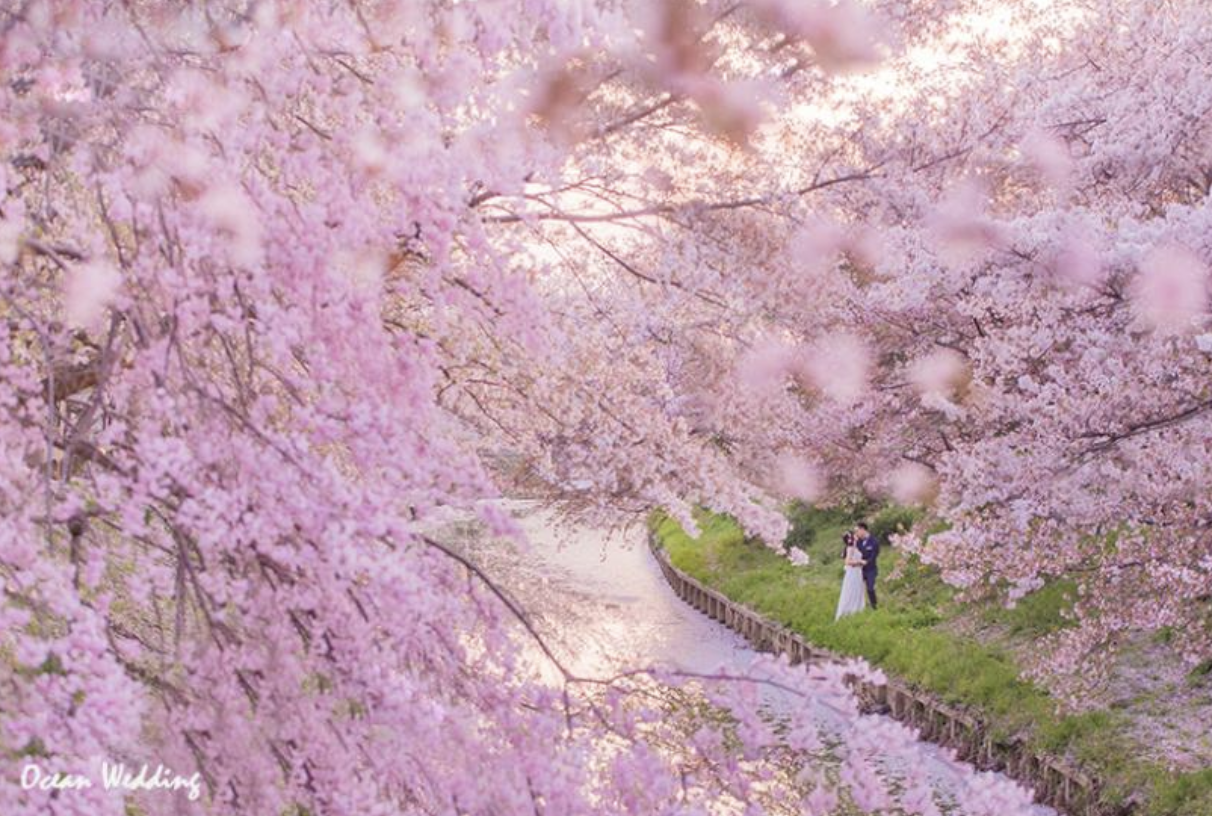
column 1078, row 264
column 959, row 224
column 732, row 109
column 941, row 372
column 1171, row 290
column 815, row 246
column 838, row 366
column 764, row 366
column 88, row 290
column 10, row 241
column 798, row 478
column 1049, row 156
column 843, row 34
column 912, row 483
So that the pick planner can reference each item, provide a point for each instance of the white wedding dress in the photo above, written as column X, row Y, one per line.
column 854, row 592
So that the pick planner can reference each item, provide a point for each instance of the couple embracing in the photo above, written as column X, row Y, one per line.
column 862, row 550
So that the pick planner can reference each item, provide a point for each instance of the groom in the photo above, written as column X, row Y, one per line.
column 869, row 548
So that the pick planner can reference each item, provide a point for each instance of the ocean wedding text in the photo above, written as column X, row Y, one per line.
column 113, row 777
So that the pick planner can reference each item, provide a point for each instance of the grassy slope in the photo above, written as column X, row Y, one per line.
column 913, row 636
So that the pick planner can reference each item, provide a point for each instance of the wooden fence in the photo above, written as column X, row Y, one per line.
column 1054, row 781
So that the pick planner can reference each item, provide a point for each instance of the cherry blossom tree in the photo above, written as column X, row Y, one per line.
column 272, row 300
column 1038, row 327
column 996, row 303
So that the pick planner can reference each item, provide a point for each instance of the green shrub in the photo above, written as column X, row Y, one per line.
column 817, row 531
column 915, row 584
column 1058, row 734
column 1186, row 794
column 892, row 520
column 1038, row 613
column 1200, row 673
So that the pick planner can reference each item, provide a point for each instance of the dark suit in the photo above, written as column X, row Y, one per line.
column 869, row 548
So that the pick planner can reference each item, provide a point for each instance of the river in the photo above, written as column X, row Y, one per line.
column 600, row 602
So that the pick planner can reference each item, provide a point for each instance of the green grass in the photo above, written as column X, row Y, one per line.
column 1188, row 794
column 908, row 637
column 1040, row 613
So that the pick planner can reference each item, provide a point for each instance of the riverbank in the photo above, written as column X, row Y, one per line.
column 918, row 635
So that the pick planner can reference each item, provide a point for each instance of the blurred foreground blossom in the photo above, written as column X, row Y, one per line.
column 959, row 223
column 88, row 291
column 1171, row 290
column 10, row 240
column 1049, row 156
column 732, row 109
column 838, row 366
column 814, row 246
column 763, row 368
column 797, row 477
column 942, row 372
column 843, row 35
column 1078, row 264
column 913, row 483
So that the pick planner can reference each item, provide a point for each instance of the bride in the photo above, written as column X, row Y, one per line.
column 854, row 597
